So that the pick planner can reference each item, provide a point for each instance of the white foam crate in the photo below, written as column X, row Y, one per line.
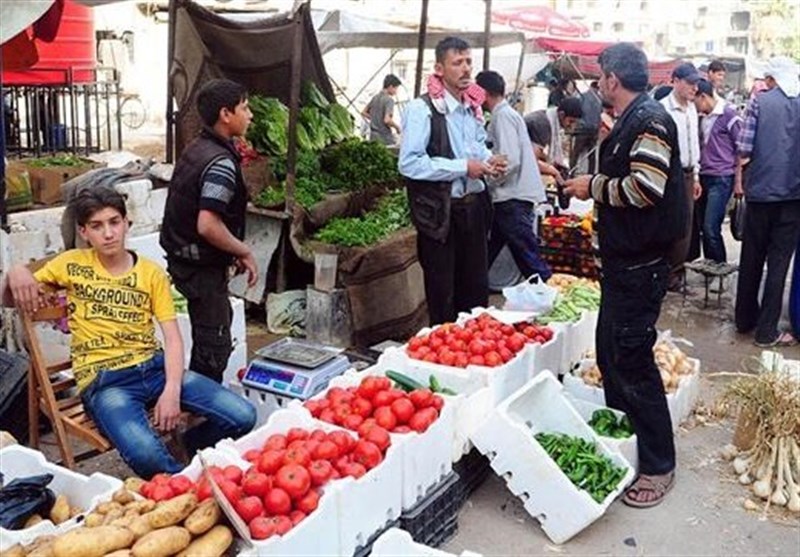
column 628, row 446
column 84, row 492
column 364, row 505
column 317, row 534
column 507, row 438
column 549, row 355
column 680, row 403
column 419, row 473
column 264, row 402
column 398, row 543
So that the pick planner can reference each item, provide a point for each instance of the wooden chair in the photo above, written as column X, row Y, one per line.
column 53, row 392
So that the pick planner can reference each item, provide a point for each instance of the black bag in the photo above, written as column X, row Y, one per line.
column 737, row 218
column 23, row 498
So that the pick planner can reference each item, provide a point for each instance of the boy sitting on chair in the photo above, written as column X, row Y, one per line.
column 119, row 366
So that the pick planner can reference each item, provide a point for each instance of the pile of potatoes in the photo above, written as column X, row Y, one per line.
column 562, row 282
column 61, row 512
column 672, row 362
column 128, row 526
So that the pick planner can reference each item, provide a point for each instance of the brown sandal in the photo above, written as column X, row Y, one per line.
column 657, row 485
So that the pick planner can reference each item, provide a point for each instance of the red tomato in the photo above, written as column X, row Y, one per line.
column 383, row 383
column 310, row 445
column 421, row 398
column 402, row 429
column 203, row 490
column 516, row 342
column 297, row 455
column 161, row 492
column 270, row 461
column 476, row 361
column 462, row 360
column 507, row 330
column 432, row 358
column 261, row 528
column 368, row 454
column 352, row 422
column 276, row 442
column 327, row 415
column 423, row 351
column 257, row 484
column 230, row 490
column 436, row 343
column 326, row 450
column 309, row 502
column 318, row 435
column 448, row 359
column 477, row 347
column 355, row 470
column 296, row 433
column 337, row 394
column 146, row 490
column 161, row 479
column 320, row 472
column 277, row 501
column 505, row 354
column 420, row 421
column 253, row 455
column 296, row 517
column 396, row 393
column 539, row 339
column 340, row 412
column 529, row 331
column 547, row 333
column 492, row 359
column 368, row 424
column 437, row 403
column 403, row 409
column 233, row 473
column 414, row 343
column 313, row 407
column 385, row 418
column 380, row 437
column 180, row 484
column 249, row 508
column 343, row 440
column 362, row 407
column 341, row 463
column 282, row 524
column 381, row 398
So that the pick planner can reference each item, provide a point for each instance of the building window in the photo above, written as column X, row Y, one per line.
column 643, row 5
column 702, row 12
column 682, row 28
column 618, row 27
column 740, row 21
column 597, row 27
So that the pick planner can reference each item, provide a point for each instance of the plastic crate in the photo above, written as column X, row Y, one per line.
column 366, row 549
column 398, row 543
column 84, row 492
column 472, row 470
column 627, row 446
column 434, row 520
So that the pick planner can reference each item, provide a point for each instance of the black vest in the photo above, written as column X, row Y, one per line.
column 179, row 236
column 629, row 235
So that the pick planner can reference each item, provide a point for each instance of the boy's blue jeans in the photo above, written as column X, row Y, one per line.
column 119, row 400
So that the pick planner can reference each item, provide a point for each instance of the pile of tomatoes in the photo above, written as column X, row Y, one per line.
column 375, row 403
column 481, row 341
column 284, row 482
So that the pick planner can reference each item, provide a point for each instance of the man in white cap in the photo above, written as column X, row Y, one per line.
column 770, row 138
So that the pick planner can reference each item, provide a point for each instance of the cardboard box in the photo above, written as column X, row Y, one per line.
column 46, row 181
column 19, row 193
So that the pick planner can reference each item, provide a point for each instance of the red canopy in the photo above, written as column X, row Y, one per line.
column 540, row 19
column 571, row 46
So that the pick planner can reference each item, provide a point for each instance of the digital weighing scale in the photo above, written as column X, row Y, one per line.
column 294, row 368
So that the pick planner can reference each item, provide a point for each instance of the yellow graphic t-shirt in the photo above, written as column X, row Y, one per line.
column 110, row 317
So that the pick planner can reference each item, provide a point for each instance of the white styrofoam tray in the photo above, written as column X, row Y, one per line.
column 317, row 534
column 628, row 446
column 364, row 505
column 84, row 492
column 507, row 438
column 426, row 457
column 680, row 403
column 398, row 543
column 578, row 337
column 264, row 402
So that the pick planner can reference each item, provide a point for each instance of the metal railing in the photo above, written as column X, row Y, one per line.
column 78, row 118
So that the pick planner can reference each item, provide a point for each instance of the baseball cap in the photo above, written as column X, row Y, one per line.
column 687, row 72
column 704, row 87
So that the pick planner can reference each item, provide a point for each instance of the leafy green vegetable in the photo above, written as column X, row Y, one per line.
column 390, row 215
column 312, row 96
column 268, row 130
column 56, row 160
column 354, row 164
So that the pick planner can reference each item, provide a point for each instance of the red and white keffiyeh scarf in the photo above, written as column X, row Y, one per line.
column 473, row 96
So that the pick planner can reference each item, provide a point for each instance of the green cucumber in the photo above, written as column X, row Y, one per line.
column 404, row 381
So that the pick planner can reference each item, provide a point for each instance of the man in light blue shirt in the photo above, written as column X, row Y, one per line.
column 443, row 156
column 515, row 193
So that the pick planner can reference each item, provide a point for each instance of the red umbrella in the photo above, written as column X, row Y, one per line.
column 540, row 19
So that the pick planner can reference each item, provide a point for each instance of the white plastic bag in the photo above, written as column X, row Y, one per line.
column 530, row 295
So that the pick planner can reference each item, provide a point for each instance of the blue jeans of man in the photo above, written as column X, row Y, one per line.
column 118, row 402
column 512, row 224
column 717, row 191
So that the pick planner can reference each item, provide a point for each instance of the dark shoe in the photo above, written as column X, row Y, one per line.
column 782, row 340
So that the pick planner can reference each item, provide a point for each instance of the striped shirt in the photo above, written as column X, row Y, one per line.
column 219, row 186
column 747, row 137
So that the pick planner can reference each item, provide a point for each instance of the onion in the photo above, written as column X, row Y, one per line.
column 778, row 496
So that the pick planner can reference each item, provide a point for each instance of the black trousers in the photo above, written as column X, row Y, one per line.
column 210, row 313
column 456, row 272
column 771, row 232
column 626, row 333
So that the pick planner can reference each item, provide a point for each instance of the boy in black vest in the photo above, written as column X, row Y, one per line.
column 204, row 220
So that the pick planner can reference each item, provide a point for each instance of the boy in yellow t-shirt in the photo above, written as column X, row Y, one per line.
column 121, row 370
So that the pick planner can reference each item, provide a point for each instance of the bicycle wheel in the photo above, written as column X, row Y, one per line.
column 132, row 113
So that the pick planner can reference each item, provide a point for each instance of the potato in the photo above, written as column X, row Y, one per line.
column 133, row 484
column 140, row 526
column 13, row 551
column 107, row 506
column 173, row 511
column 75, row 511
column 124, row 521
column 33, row 520
column 92, row 542
column 119, row 553
column 213, row 543
column 60, row 511
column 141, row 507
column 122, row 496
column 162, row 543
column 113, row 515
column 93, row 519
column 42, row 550
column 203, row 518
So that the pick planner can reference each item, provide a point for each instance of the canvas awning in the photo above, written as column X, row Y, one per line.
column 540, row 19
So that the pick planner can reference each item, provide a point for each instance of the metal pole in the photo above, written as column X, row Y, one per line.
column 172, row 11
column 294, row 108
column 423, row 31
column 3, row 215
column 487, row 30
